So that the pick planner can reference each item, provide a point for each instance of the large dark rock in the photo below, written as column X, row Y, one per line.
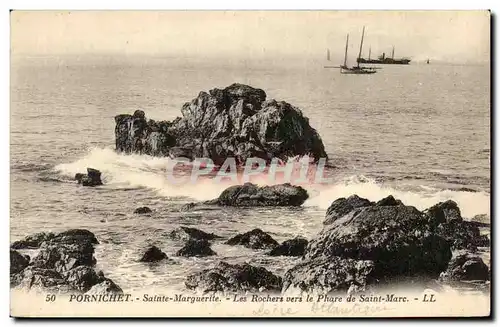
column 294, row 247
column 64, row 263
column 153, row 254
column 225, row 277
column 17, row 262
column 233, row 122
column 196, row 248
column 254, row 239
column 252, row 195
column 446, row 220
column 190, row 233
column 343, row 206
column 92, row 178
column 32, row 241
column 465, row 266
column 106, row 286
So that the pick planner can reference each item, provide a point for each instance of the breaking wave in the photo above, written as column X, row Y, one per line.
column 139, row 171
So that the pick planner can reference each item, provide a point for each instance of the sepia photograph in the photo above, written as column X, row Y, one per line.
column 217, row 163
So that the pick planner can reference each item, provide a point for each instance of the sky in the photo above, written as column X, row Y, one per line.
column 454, row 36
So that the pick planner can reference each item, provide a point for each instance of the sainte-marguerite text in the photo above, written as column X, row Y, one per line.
column 179, row 298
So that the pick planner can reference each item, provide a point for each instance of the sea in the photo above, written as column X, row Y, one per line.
column 420, row 132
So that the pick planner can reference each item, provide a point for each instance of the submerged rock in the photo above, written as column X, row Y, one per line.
column 142, row 210
column 92, row 178
column 236, row 122
column 196, row 248
column 294, row 247
column 190, row 233
column 153, row 254
column 254, row 239
column 252, row 195
column 465, row 266
column 225, row 277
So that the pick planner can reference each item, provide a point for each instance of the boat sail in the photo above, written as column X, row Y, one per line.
column 358, row 70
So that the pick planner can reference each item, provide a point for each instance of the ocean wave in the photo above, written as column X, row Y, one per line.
column 140, row 171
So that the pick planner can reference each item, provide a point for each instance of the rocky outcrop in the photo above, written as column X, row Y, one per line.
column 448, row 223
column 189, row 233
column 142, row 211
column 465, row 266
column 225, row 277
column 236, row 121
column 92, row 178
column 196, row 248
column 254, row 239
column 32, row 241
column 294, row 248
column 17, row 262
column 250, row 194
column 153, row 254
column 64, row 263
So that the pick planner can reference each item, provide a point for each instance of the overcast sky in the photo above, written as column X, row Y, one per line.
column 451, row 36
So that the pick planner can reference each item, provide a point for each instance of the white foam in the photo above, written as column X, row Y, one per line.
column 134, row 170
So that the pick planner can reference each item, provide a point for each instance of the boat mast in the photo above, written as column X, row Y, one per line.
column 369, row 53
column 361, row 45
column 345, row 55
column 328, row 54
column 392, row 53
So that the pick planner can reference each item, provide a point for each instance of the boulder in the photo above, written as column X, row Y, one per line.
column 465, row 266
column 142, row 210
column 196, row 248
column 17, row 262
column 107, row 286
column 225, row 277
column 32, row 241
column 153, row 254
column 252, row 195
column 82, row 278
column 294, row 248
column 92, row 178
column 343, row 206
column 254, row 239
column 189, row 233
column 75, row 236
column 326, row 275
column 236, row 122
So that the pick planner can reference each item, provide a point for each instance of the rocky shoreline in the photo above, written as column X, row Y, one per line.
column 364, row 245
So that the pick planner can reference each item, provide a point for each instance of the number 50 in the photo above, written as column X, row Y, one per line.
column 50, row 298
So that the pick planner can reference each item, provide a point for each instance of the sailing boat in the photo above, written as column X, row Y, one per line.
column 355, row 69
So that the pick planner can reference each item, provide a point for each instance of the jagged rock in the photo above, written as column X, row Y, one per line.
column 190, row 233
column 326, row 275
column 447, row 222
column 17, row 262
column 236, row 121
column 396, row 238
column 142, row 210
column 389, row 201
column 225, row 277
column 32, row 241
column 294, row 247
column 254, row 239
column 107, row 286
column 187, row 207
column 64, row 263
column 196, row 248
column 252, row 195
column 343, row 206
column 92, row 178
column 482, row 218
column 465, row 266
column 153, row 254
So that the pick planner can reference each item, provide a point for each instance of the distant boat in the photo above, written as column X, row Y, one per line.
column 358, row 70
column 382, row 59
column 427, row 61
